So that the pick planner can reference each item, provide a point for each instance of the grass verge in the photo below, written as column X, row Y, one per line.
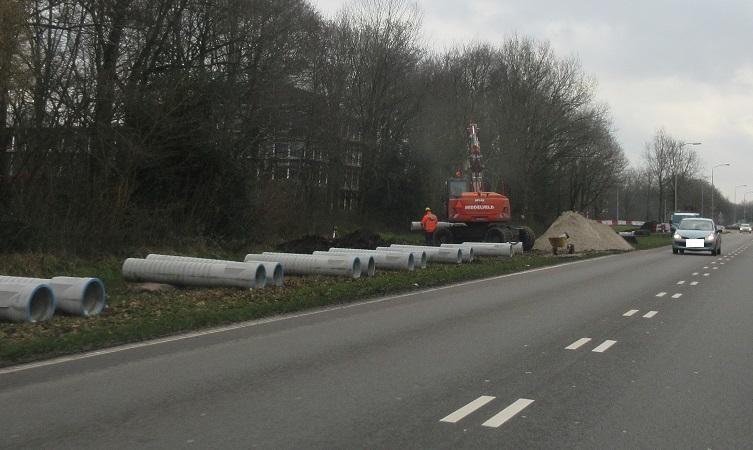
column 652, row 241
column 134, row 315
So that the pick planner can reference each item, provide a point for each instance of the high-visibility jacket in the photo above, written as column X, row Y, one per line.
column 429, row 222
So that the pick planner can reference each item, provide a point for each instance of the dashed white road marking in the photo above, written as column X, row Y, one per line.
column 695, row 274
column 604, row 346
column 661, row 294
column 630, row 313
column 713, row 262
column 650, row 314
column 467, row 409
column 507, row 413
column 577, row 344
column 694, row 283
column 706, row 274
column 681, row 282
column 705, row 267
column 716, row 268
column 677, row 295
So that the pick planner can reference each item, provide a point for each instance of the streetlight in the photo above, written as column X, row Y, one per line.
column 703, row 183
column 745, row 205
column 712, row 186
column 682, row 144
column 738, row 186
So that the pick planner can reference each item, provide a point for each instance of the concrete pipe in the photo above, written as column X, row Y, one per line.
column 26, row 302
column 383, row 259
column 297, row 264
column 517, row 248
column 73, row 295
column 419, row 256
column 491, row 248
column 368, row 263
column 469, row 253
column 416, row 226
column 437, row 254
column 199, row 274
column 275, row 274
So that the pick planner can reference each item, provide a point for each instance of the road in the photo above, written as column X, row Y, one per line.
column 641, row 350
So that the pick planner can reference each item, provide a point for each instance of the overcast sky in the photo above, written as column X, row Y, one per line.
column 685, row 65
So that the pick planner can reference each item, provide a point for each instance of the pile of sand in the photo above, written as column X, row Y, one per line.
column 585, row 234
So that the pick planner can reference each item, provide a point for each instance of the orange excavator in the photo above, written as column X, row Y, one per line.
column 474, row 214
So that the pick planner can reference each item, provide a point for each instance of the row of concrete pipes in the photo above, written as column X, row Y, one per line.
column 269, row 268
column 37, row 299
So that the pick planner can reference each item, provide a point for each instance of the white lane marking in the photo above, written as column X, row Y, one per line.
column 694, row 283
column 713, row 262
column 706, row 274
column 650, row 314
column 716, row 268
column 695, row 274
column 661, row 294
column 705, row 267
column 681, row 282
column 677, row 295
column 630, row 313
column 722, row 263
column 467, row 409
column 257, row 322
column 604, row 346
column 507, row 413
column 575, row 345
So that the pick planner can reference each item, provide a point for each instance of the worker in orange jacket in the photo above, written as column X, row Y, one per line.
column 429, row 224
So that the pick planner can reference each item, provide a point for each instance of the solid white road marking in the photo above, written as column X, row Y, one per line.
column 681, row 282
column 661, row 294
column 467, row 409
column 575, row 345
column 677, row 295
column 650, row 314
column 507, row 413
column 630, row 313
column 694, row 283
column 604, row 346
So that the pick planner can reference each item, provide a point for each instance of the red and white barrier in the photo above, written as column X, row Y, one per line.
column 637, row 223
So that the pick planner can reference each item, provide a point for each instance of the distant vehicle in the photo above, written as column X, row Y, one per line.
column 677, row 218
column 745, row 228
column 697, row 235
column 723, row 229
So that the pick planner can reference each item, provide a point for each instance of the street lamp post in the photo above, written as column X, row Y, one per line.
column 682, row 144
column 738, row 186
column 745, row 205
column 712, row 186
column 703, row 183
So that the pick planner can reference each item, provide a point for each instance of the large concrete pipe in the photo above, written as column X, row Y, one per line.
column 383, row 259
column 469, row 253
column 275, row 274
column 517, row 248
column 297, row 264
column 26, row 302
column 73, row 295
column 419, row 256
column 201, row 274
column 368, row 263
column 437, row 254
column 491, row 248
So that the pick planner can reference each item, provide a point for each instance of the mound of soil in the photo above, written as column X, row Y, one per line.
column 306, row 244
column 586, row 235
column 361, row 239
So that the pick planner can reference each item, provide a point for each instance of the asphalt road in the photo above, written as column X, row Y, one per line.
column 642, row 350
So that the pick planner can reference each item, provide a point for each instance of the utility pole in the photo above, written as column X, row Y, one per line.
column 735, row 214
column 712, row 186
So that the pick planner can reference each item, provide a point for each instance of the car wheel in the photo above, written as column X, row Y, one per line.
column 674, row 251
column 682, row 252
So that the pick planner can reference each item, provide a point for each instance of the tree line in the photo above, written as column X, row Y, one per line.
column 129, row 122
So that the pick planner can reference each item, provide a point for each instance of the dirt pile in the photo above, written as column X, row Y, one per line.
column 311, row 243
column 585, row 234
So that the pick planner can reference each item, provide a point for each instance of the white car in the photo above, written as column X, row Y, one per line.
column 744, row 228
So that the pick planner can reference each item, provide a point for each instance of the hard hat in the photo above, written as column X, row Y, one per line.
column 427, row 209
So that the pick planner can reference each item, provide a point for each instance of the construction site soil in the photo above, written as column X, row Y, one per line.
column 310, row 243
column 587, row 235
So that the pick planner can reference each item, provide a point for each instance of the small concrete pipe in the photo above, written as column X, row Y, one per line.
column 275, row 274
column 419, row 256
column 200, row 274
column 469, row 253
column 437, row 254
column 73, row 295
column 383, row 259
column 297, row 264
column 368, row 263
column 491, row 248
column 26, row 302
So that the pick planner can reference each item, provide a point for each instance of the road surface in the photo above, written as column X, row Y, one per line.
column 641, row 350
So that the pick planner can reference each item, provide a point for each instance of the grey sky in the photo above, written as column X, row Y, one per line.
column 685, row 65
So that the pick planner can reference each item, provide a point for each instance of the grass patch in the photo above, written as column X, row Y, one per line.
column 134, row 316
column 652, row 241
